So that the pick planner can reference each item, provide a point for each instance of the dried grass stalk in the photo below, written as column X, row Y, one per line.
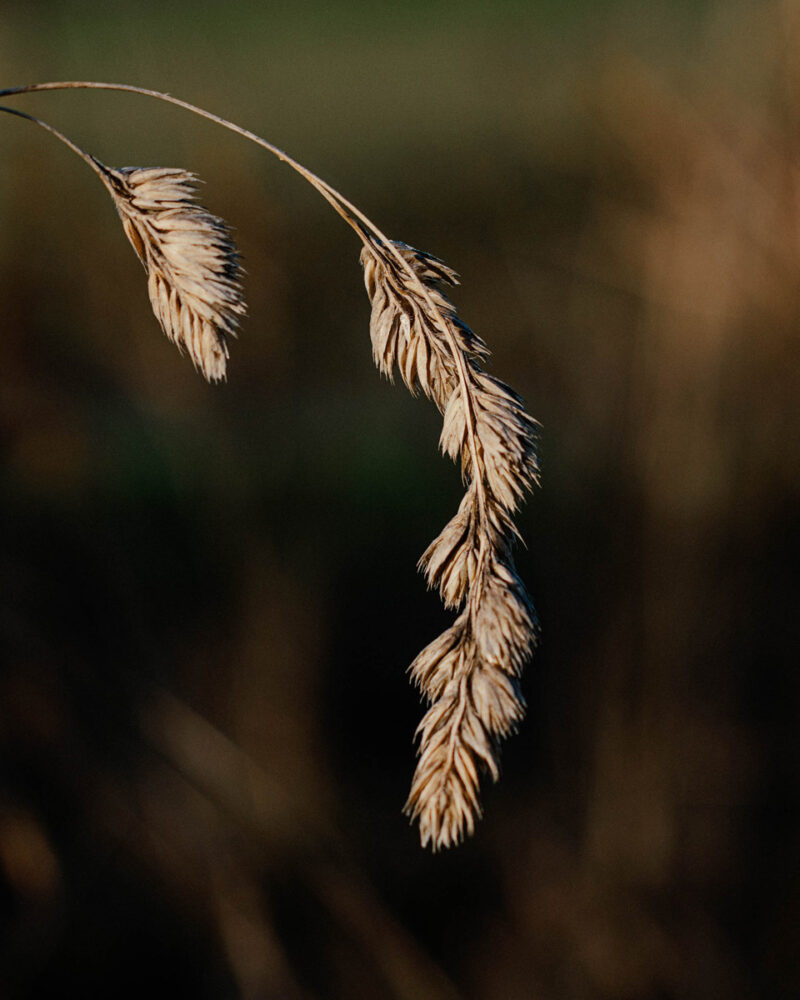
column 469, row 675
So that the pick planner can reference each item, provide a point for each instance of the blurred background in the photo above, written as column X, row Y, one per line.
column 209, row 595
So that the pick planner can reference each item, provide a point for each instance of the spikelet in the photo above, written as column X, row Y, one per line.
column 403, row 327
column 469, row 675
column 193, row 273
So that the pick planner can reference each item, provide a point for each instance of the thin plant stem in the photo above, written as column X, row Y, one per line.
column 86, row 157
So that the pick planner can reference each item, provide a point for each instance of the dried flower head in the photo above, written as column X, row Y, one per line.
column 469, row 675
column 191, row 261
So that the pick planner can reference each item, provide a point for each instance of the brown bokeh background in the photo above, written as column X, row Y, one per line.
column 209, row 595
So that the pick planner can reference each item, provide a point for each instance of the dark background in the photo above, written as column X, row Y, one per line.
column 209, row 596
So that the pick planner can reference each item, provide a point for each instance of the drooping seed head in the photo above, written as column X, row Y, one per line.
column 469, row 675
column 192, row 265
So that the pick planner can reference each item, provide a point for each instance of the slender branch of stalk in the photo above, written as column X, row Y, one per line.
column 352, row 215
column 86, row 157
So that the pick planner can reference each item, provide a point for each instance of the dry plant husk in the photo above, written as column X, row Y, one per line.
column 470, row 674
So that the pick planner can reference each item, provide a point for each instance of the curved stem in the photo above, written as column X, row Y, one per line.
column 339, row 203
column 86, row 157
column 351, row 214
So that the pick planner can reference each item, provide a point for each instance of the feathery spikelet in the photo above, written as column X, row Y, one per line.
column 191, row 261
column 403, row 329
column 469, row 675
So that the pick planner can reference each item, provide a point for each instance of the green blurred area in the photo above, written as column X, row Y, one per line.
column 209, row 596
